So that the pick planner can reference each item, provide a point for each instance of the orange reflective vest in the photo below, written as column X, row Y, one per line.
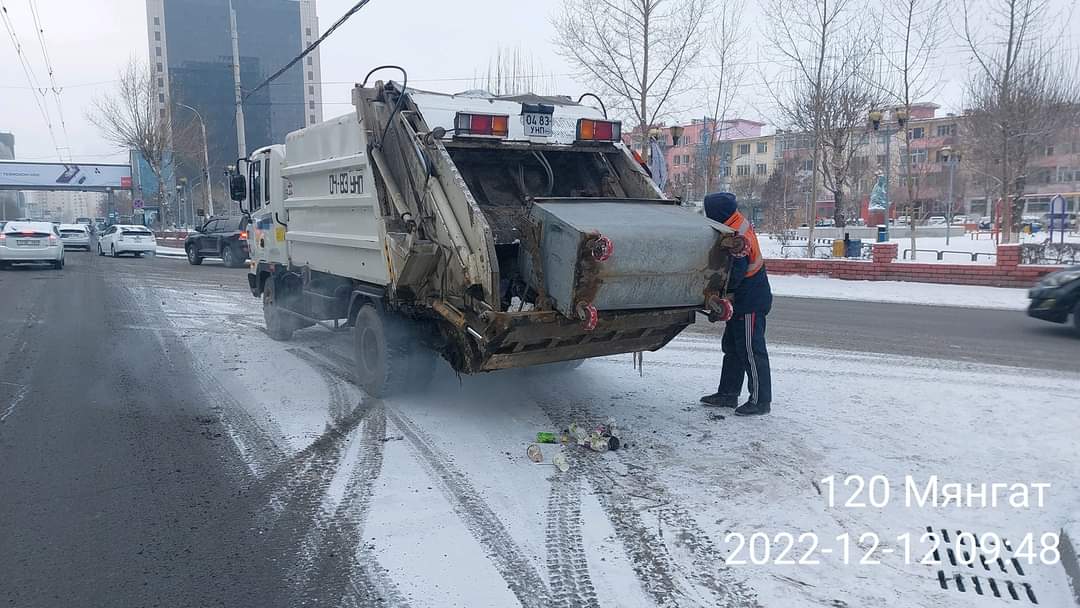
column 742, row 226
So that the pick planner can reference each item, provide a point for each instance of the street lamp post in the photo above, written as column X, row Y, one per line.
column 225, row 186
column 206, row 158
column 950, row 160
column 180, row 203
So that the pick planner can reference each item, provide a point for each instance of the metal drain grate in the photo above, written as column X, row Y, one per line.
column 980, row 576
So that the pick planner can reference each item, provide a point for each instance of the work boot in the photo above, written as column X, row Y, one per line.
column 721, row 400
column 752, row 409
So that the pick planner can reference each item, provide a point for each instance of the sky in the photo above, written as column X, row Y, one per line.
column 443, row 45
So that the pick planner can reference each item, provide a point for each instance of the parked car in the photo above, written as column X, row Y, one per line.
column 937, row 220
column 1056, row 296
column 75, row 235
column 222, row 237
column 126, row 238
column 31, row 242
column 959, row 220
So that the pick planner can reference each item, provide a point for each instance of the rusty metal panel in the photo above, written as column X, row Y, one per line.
column 663, row 255
column 547, row 339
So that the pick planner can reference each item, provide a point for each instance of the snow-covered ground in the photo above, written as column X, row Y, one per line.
column 900, row 292
column 439, row 506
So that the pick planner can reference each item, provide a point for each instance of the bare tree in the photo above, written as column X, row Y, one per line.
column 912, row 35
column 725, row 76
column 820, row 42
column 1022, row 92
column 514, row 72
column 843, row 138
column 130, row 119
column 638, row 51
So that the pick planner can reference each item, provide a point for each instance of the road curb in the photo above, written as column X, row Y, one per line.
column 1070, row 557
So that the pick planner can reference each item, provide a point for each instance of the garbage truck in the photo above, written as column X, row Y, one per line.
column 496, row 231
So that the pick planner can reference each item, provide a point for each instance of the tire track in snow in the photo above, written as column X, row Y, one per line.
column 568, row 568
column 254, row 442
column 660, row 575
column 337, row 565
column 343, row 549
column 507, row 557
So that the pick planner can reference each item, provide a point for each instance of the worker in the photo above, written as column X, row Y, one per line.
column 749, row 302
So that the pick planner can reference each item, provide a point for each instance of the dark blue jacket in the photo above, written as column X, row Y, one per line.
column 752, row 294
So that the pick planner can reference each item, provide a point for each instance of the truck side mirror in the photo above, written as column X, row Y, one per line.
column 238, row 187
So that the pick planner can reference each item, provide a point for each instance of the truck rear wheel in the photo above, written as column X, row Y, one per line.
column 278, row 324
column 388, row 356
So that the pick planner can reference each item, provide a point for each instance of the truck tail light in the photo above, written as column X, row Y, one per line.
column 598, row 130
column 485, row 125
column 243, row 235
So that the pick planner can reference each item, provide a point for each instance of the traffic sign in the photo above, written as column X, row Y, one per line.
column 138, row 204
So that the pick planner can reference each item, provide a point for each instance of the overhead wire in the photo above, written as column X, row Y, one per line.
column 29, row 73
column 311, row 47
column 49, row 69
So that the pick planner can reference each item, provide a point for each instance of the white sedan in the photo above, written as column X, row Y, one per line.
column 75, row 235
column 123, row 238
column 30, row 242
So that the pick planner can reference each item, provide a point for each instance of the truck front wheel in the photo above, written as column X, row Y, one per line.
column 278, row 324
column 388, row 355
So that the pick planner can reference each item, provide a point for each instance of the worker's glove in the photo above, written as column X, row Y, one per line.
column 721, row 310
column 741, row 248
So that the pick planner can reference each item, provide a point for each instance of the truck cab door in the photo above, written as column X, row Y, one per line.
column 267, row 194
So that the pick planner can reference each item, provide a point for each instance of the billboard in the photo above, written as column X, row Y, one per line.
column 63, row 176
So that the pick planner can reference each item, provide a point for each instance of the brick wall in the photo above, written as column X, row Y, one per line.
column 1006, row 272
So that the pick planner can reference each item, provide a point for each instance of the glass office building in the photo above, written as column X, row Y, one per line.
column 191, row 54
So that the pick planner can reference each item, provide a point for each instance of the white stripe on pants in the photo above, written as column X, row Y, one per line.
column 748, row 321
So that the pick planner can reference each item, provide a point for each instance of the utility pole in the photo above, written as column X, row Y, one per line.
column 241, row 143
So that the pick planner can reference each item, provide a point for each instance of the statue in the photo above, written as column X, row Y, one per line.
column 879, row 197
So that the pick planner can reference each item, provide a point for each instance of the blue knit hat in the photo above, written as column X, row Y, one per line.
column 719, row 206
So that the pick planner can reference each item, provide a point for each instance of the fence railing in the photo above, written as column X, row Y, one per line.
column 865, row 252
column 940, row 253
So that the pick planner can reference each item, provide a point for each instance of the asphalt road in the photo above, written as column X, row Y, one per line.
column 118, row 489
column 116, row 486
column 998, row 337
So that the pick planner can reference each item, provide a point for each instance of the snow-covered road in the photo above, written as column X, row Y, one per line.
column 430, row 500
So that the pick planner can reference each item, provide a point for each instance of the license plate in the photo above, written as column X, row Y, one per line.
column 536, row 124
column 138, row 239
column 27, row 243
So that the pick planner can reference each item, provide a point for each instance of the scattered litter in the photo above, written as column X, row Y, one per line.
column 560, row 462
column 717, row 417
column 601, row 439
column 534, row 453
column 546, row 437
column 393, row 438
